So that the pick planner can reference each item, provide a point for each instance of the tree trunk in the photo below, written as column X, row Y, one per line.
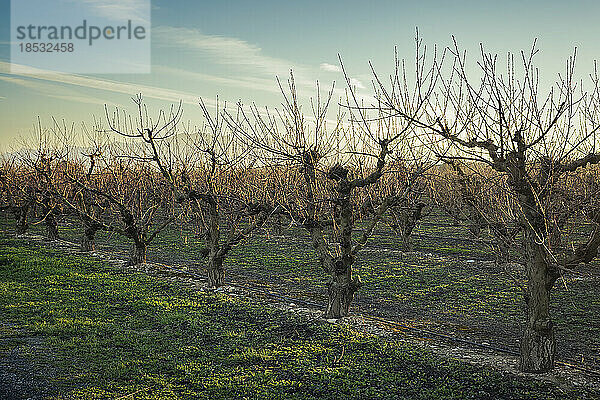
column 278, row 226
column 406, row 242
column 88, row 241
column 21, row 217
column 502, row 254
column 216, row 273
column 341, row 289
column 407, row 221
column 138, row 253
column 51, row 226
column 538, row 346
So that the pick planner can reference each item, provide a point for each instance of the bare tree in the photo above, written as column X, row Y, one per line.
column 18, row 195
column 46, row 200
column 536, row 142
column 205, row 169
column 43, row 160
column 122, row 196
column 407, row 179
column 227, row 191
column 474, row 195
column 330, row 171
column 87, row 204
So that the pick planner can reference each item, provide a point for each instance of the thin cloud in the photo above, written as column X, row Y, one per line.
column 106, row 85
column 121, row 10
column 254, row 83
column 258, row 69
column 330, row 67
column 335, row 68
column 224, row 50
column 51, row 90
column 357, row 83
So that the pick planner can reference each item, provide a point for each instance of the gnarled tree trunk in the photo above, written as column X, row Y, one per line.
column 138, row 253
column 88, row 241
column 341, row 289
column 214, row 267
column 342, row 286
column 278, row 225
column 538, row 346
column 49, row 217
column 407, row 220
column 21, row 219
column 51, row 226
column 406, row 243
column 475, row 229
column 216, row 273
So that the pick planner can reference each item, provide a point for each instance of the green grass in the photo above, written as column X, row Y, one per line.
column 443, row 291
column 88, row 330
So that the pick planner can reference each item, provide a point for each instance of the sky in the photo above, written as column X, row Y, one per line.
column 236, row 49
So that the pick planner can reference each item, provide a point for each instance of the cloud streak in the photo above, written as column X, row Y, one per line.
column 358, row 84
column 258, row 71
column 330, row 67
column 261, row 71
column 50, row 90
column 247, row 82
column 36, row 76
column 224, row 50
column 121, row 10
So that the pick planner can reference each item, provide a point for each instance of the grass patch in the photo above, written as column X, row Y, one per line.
column 441, row 285
column 102, row 333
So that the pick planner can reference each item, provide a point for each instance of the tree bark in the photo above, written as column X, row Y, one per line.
column 502, row 254
column 214, row 268
column 475, row 229
column 538, row 346
column 278, row 226
column 88, row 241
column 406, row 242
column 21, row 219
column 216, row 273
column 341, row 290
column 51, row 226
column 138, row 253
column 406, row 221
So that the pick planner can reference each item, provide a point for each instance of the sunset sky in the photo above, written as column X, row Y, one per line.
column 235, row 49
